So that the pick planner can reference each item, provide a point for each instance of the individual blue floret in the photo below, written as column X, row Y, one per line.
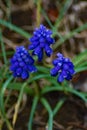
column 22, row 63
column 41, row 41
column 63, row 67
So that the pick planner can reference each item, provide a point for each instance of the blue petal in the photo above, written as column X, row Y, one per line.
column 37, row 50
column 65, row 66
column 69, row 77
column 13, row 59
column 48, row 50
column 64, row 73
column 42, row 44
column 40, row 56
column 32, row 68
column 55, row 62
column 50, row 40
column 25, row 75
column 33, row 39
column 42, row 40
column 14, row 74
column 71, row 71
column 29, row 60
column 12, row 68
column 71, row 65
column 60, row 55
column 53, row 72
column 22, row 64
column 60, row 78
column 18, row 71
column 33, row 45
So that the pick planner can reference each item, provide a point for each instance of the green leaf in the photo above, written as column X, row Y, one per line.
column 58, row 106
column 63, row 10
column 67, row 89
column 17, row 86
column 34, row 105
column 46, row 17
column 15, row 28
column 80, row 69
column 69, row 35
column 2, row 108
column 48, row 108
column 43, row 69
column 80, row 58
column 3, row 48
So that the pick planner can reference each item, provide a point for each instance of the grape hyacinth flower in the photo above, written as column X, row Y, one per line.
column 40, row 41
column 63, row 67
column 22, row 63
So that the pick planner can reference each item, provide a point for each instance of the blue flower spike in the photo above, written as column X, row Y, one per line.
column 41, row 41
column 22, row 63
column 63, row 67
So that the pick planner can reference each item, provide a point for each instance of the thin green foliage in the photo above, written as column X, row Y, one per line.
column 38, row 12
column 18, row 103
column 47, row 18
column 79, row 59
column 58, row 106
column 30, row 122
column 17, row 86
column 48, row 108
column 50, row 24
column 2, row 107
column 80, row 69
column 38, row 94
column 69, row 35
column 8, row 12
column 63, row 10
column 15, row 28
column 3, row 48
column 67, row 89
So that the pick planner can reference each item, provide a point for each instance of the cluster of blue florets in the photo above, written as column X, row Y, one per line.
column 41, row 41
column 63, row 67
column 22, row 63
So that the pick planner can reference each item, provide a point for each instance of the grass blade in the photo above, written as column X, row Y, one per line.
column 62, row 13
column 80, row 58
column 48, row 108
column 15, row 28
column 35, row 101
column 2, row 91
column 18, row 104
column 3, row 48
column 69, row 35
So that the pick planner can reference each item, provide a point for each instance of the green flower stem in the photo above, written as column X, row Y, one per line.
column 36, row 89
column 48, row 108
column 68, row 89
column 58, row 106
column 83, row 64
column 38, row 12
column 35, row 101
column 64, row 87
